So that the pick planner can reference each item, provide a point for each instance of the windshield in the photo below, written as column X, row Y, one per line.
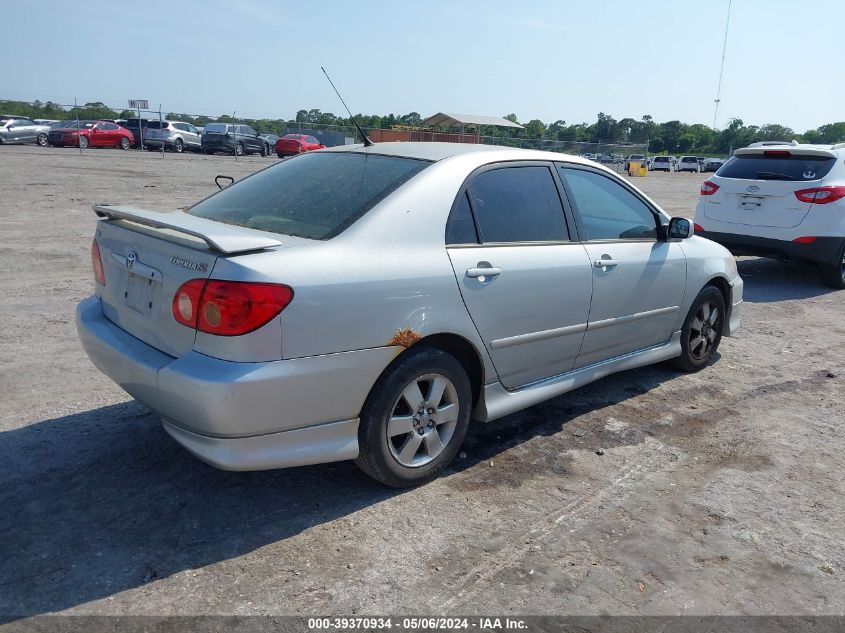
column 315, row 195
column 776, row 165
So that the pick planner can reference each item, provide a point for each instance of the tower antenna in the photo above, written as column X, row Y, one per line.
column 722, row 67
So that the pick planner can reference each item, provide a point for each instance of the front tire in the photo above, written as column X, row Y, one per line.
column 239, row 149
column 833, row 274
column 42, row 140
column 702, row 330
column 415, row 418
column 83, row 142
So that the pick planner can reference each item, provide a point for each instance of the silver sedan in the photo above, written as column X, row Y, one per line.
column 365, row 302
column 19, row 130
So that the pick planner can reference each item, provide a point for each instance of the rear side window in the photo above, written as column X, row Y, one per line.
column 460, row 229
column 518, row 204
column 607, row 209
column 315, row 195
column 777, row 165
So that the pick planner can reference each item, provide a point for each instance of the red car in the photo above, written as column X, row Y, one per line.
column 91, row 134
column 291, row 144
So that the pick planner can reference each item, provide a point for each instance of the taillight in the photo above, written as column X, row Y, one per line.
column 97, row 264
column 698, row 228
column 229, row 308
column 821, row 195
column 708, row 188
column 807, row 239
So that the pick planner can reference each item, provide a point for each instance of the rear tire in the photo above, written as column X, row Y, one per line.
column 239, row 149
column 124, row 143
column 265, row 150
column 42, row 140
column 280, row 155
column 833, row 274
column 178, row 147
column 83, row 142
column 415, row 418
column 702, row 331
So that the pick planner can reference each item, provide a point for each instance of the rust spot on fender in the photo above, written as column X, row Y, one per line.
column 405, row 337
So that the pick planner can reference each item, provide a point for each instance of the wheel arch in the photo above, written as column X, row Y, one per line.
column 722, row 285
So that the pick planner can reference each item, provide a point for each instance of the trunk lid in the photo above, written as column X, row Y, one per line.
column 147, row 256
column 757, row 186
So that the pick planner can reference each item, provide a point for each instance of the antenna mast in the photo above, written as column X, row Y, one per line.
column 722, row 67
column 367, row 141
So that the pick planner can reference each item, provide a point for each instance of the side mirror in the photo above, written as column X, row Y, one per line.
column 680, row 229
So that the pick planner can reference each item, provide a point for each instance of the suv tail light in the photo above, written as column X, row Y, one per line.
column 229, row 308
column 821, row 195
column 97, row 264
column 708, row 188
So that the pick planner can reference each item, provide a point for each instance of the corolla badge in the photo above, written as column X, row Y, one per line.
column 753, row 188
column 185, row 263
column 131, row 258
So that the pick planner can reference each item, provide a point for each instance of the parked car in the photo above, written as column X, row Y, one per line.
column 688, row 163
column 16, row 130
column 138, row 127
column 634, row 158
column 176, row 135
column 786, row 202
column 261, row 351
column 661, row 163
column 270, row 139
column 91, row 134
column 712, row 164
column 291, row 144
column 229, row 138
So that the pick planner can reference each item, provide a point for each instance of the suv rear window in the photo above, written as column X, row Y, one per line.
column 794, row 167
column 219, row 128
column 316, row 195
column 661, row 159
column 689, row 159
column 155, row 125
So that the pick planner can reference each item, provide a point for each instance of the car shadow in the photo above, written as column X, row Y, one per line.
column 769, row 280
column 103, row 501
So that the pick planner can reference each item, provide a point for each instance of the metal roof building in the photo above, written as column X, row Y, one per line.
column 465, row 121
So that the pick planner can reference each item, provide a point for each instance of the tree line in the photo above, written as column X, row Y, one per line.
column 674, row 137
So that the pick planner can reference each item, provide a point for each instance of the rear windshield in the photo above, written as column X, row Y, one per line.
column 689, row 159
column 155, row 125
column 794, row 167
column 661, row 159
column 218, row 127
column 316, row 196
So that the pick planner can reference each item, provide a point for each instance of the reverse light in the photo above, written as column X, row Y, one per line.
column 229, row 308
column 807, row 239
column 97, row 264
column 821, row 195
column 708, row 188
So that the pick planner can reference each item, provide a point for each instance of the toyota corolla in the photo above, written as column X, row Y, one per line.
column 366, row 302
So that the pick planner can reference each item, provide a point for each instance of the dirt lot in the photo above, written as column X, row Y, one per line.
column 719, row 492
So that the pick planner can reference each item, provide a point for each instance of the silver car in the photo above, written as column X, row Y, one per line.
column 365, row 302
column 176, row 135
column 18, row 130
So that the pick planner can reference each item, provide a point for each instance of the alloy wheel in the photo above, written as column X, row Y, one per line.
column 422, row 420
column 704, row 330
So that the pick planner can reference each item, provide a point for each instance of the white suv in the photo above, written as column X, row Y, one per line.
column 688, row 163
column 661, row 163
column 785, row 201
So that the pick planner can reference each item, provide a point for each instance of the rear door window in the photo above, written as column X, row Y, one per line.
column 777, row 165
column 518, row 204
column 608, row 210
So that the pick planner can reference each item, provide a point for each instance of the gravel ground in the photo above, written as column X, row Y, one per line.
column 719, row 492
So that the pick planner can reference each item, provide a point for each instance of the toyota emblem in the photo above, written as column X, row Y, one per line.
column 131, row 258
column 753, row 188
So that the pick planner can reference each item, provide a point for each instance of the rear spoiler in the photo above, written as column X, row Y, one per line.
column 219, row 237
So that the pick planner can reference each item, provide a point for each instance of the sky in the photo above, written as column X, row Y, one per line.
column 565, row 59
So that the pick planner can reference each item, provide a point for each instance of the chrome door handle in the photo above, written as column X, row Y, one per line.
column 605, row 263
column 474, row 273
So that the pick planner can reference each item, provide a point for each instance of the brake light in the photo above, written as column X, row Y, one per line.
column 821, row 195
column 97, row 264
column 809, row 239
column 708, row 188
column 776, row 153
column 229, row 308
column 698, row 228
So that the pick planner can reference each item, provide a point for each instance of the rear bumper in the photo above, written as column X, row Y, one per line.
column 823, row 251
column 241, row 416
